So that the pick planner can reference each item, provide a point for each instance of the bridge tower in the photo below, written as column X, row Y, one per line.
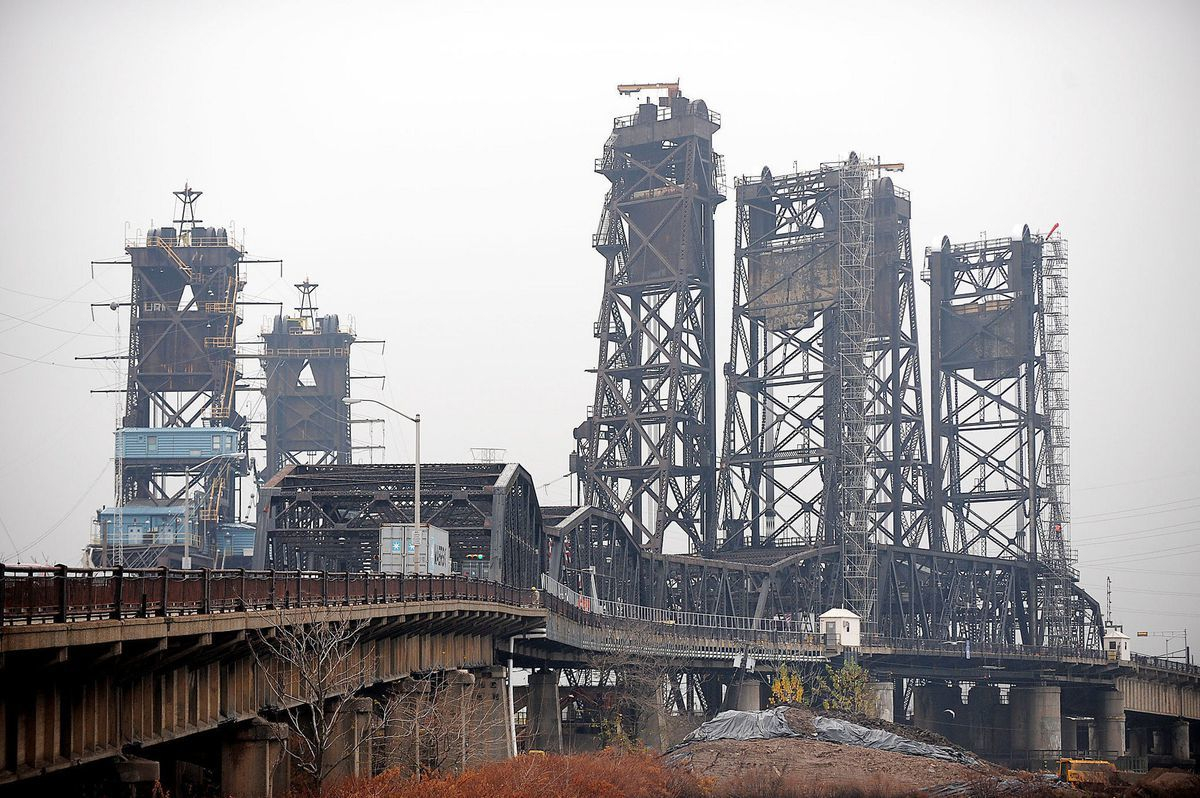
column 306, row 362
column 824, row 432
column 1000, row 437
column 646, row 451
column 181, row 444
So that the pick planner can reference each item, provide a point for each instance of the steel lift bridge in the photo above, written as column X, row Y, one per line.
column 824, row 494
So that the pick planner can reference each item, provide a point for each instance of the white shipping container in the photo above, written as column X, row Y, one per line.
column 403, row 550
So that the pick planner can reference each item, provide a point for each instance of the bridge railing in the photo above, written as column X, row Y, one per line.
column 977, row 649
column 618, row 610
column 1165, row 664
column 38, row 594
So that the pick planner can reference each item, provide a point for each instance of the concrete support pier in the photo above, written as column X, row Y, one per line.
column 1181, row 741
column 545, row 712
column 936, row 707
column 1036, row 724
column 254, row 763
column 350, row 752
column 884, row 700
column 748, row 695
column 1070, row 736
column 489, row 714
column 1110, row 724
column 986, row 714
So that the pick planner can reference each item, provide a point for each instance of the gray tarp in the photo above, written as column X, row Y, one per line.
column 831, row 730
column 733, row 724
column 769, row 723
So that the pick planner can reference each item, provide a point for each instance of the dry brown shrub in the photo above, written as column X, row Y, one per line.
column 602, row 775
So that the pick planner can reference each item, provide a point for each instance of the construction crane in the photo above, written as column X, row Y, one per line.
column 634, row 88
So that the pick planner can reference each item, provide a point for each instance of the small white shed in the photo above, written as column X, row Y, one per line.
column 846, row 627
column 1116, row 644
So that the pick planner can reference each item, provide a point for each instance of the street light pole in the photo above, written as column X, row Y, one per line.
column 416, row 420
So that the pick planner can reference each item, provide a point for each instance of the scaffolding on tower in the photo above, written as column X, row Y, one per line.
column 856, row 533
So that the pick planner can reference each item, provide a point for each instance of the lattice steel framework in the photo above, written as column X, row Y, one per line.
column 182, row 367
column 306, row 361
column 647, row 450
column 998, row 356
column 795, row 381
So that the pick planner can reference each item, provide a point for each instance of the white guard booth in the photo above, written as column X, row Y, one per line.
column 1116, row 645
column 843, row 625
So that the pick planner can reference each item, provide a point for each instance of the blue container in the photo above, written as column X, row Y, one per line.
column 179, row 444
column 236, row 540
column 143, row 525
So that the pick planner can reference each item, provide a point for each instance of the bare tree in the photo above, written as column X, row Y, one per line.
column 648, row 698
column 431, row 722
column 314, row 665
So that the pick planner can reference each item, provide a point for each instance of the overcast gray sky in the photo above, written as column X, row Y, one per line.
column 430, row 165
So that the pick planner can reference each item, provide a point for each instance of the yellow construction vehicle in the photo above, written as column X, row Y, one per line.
column 1083, row 772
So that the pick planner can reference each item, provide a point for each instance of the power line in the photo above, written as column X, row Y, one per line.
column 20, row 320
column 1139, row 534
column 63, row 520
column 1099, row 517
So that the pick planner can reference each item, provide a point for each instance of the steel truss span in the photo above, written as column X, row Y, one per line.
column 998, row 356
column 328, row 517
column 647, row 450
column 788, row 435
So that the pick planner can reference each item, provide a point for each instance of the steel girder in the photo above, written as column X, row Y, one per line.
column 778, row 480
column 923, row 594
column 328, row 517
column 647, row 450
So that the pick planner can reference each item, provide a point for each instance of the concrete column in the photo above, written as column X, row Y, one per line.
column 651, row 731
column 1036, row 722
column 545, row 712
column 1139, row 742
column 1045, row 721
column 1070, row 736
column 1158, row 742
column 749, row 695
column 1110, row 724
column 930, row 705
column 462, row 682
column 139, row 774
column 882, row 693
column 1181, row 743
column 1018, row 722
column 983, row 704
column 349, row 753
column 490, row 717
column 253, row 761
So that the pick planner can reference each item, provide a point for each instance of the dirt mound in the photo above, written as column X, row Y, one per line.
column 1163, row 783
column 826, row 766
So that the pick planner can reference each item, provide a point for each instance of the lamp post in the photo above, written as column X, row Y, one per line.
column 416, row 420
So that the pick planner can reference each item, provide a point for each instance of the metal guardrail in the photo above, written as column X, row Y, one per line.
column 152, row 239
column 1165, row 664
column 662, row 115
column 33, row 594
column 636, row 612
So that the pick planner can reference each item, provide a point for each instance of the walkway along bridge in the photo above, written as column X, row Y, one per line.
column 103, row 663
